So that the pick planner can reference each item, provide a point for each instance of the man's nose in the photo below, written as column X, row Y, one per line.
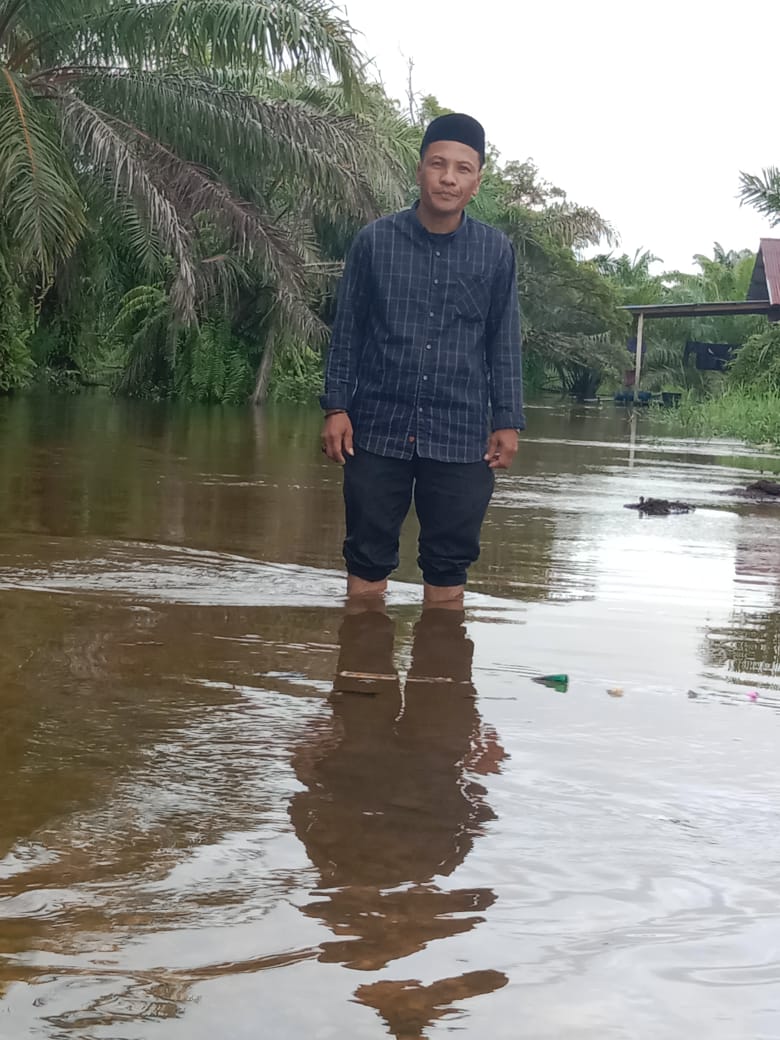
column 447, row 175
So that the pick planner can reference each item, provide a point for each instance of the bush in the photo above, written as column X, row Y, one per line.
column 17, row 324
column 757, row 364
column 296, row 376
column 750, row 416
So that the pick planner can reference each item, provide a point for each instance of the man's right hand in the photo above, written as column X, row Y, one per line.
column 337, row 437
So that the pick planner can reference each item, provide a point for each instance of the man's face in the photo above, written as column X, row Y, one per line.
column 448, row 176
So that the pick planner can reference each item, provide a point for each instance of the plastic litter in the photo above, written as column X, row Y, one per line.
column 554, row 682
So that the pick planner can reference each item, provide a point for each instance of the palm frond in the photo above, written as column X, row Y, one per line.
column 175, row 192
column 250, row 136
column 41, row 204
column 110, row 150
column 221, row 33
column 576, row 226
column 762, row 192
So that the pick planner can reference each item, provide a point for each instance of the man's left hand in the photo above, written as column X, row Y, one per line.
column 502, row 448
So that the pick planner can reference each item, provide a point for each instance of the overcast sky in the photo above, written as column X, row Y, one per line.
column 646, row 111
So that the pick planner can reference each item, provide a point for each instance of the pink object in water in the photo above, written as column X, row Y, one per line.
column 753, row 696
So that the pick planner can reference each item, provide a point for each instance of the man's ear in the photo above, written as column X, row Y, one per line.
column 418, row 176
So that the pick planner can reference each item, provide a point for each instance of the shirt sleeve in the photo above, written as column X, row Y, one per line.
column 504, row 347
column 348, row 335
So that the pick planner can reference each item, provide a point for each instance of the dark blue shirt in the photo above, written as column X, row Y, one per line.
column 425, row 353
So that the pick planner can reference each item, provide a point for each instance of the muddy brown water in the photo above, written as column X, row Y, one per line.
column 199, row 839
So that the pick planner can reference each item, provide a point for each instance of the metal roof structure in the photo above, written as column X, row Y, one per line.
column 765, row 283
column 704, row 310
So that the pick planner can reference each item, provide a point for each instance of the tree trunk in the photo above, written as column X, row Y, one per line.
column 264, row 374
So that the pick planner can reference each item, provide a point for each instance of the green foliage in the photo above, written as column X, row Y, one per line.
column 212, row 367
column 763, row 192
column 17, row 322
column 756, row 367
column 723, row 277
column 297, row 377
column 158, row 357
column 202, row 146
column 145, row 337
column 749, row 415
column 42, row 210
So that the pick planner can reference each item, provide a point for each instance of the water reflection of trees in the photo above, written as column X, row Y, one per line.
column 749, row 644
column 219, row 479
column 224, row 479
column 392, row 807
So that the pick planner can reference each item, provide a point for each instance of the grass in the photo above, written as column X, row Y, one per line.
column 748, row 415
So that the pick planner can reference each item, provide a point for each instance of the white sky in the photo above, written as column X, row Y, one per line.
column 646, row 111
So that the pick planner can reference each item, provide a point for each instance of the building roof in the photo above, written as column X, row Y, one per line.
column 763, row 295
column 703, row 310
column 765, row 283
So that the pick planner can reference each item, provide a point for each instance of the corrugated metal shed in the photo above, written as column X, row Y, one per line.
column 765, row 283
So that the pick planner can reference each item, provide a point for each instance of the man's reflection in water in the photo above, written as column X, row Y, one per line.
column 391, row 806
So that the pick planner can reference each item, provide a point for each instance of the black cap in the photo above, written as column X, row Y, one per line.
column 456, row 127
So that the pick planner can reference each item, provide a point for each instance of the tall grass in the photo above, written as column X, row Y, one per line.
column 738, row 412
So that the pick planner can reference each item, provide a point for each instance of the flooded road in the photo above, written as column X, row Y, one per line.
column 199, row 838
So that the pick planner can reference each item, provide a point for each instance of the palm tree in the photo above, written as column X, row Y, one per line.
column 762, row 192
column 184, row 127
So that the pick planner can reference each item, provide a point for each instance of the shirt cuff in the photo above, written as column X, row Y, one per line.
column 508, row 420
column 335, row 399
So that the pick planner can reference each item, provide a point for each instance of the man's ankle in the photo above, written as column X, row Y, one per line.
column 443, row 595
column 360, row 587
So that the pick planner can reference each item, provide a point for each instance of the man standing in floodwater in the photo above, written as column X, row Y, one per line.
column 423, row 383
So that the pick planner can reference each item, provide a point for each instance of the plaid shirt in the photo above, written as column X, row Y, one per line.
column 425, row 353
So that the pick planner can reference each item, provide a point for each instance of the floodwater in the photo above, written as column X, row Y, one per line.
column 199, row 838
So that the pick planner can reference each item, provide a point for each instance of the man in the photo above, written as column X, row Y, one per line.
column 424, row 362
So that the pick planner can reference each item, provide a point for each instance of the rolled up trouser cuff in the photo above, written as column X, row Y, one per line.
column 444, row 581
column 368, row 573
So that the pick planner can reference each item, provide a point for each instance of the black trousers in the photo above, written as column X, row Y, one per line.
column 451, row 499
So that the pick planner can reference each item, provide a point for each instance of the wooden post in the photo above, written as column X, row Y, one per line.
column 640, row 336
column 632, row 438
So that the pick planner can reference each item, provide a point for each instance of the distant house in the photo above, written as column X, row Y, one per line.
column 765, row 283
column 763, row 298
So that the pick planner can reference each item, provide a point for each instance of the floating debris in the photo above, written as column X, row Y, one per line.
column 753, row 695
column 616, row 691
column 763, row 490
column 660, row 507
column 554, row 682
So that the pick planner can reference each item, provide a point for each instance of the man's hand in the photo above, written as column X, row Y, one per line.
column 337, row 437
column 502, row 448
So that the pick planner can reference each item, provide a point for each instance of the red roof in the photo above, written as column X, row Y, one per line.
column 765, row 284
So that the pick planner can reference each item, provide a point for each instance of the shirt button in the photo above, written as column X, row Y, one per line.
column 435, row 281
column 431, row 314
column 438, row 253
column 427, row 346
column 420, row 409
column 425, row 377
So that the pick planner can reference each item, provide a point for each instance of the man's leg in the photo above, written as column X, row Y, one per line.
column 366, row 638
column 377, row 496
column 451, row 500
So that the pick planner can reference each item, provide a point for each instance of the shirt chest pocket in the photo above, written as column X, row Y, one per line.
column 470, row 295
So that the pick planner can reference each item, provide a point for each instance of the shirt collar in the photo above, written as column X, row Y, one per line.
column 429, row 236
